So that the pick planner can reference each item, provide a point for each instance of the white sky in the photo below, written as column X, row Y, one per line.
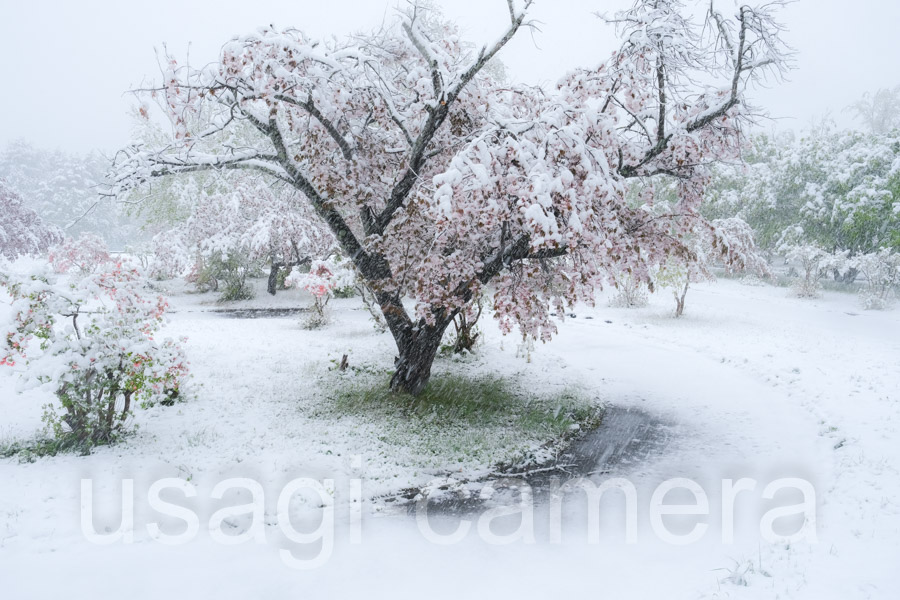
column 66, row 64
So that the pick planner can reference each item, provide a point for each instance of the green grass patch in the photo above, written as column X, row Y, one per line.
column 479, row 421
column 30, row 450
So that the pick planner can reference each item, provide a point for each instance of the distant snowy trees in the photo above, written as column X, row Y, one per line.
column 22, row 230
column 827, row 201
column 63, row 188
column 228, row 226
column 436, row 179
column 839, row 189
column 881, row 270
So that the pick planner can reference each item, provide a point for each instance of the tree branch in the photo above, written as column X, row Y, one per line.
column 373, row 267
column 311, row 108
column 437, row 116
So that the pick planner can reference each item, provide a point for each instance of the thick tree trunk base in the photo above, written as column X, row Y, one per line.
column 413, row 366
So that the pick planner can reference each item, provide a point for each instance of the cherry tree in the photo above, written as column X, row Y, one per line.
column 436, row 179
column 245, row 214
column 22, row 231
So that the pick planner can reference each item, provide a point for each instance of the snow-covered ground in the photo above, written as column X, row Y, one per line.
column 754, row 383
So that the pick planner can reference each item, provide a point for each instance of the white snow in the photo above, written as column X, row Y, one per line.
column 755, row 384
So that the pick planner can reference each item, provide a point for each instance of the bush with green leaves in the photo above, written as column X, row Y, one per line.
column 91, row 340
column 231, row 270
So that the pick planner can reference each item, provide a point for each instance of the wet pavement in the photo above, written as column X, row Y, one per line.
column 256, row 313
column 624, row 439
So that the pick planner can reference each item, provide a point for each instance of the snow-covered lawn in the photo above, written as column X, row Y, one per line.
column 754, row 383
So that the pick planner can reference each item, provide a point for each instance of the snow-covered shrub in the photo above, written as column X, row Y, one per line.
column 882, row 272
column 813, row 263
column 84, row 255
column 323, row 278
column 92, row 340
column 170, row 256
column 318, row 282
column 632, row 292
column 232, row 269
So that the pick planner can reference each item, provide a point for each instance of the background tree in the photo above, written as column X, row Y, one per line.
column 838, row 190
column 879, row 112
column 64, row 189
column 22, row 231
column 730, row 237
column 436, row 179
column 243, row 219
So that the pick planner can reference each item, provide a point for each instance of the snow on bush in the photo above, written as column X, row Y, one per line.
column 632, row 292
column 882, row 272
column 84, row 255
column 91, row 339
column 323, row 278
column 813, row 264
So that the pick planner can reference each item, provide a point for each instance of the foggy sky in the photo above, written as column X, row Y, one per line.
column 66, row 66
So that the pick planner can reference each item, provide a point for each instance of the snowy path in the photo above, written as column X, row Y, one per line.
column 804, row 388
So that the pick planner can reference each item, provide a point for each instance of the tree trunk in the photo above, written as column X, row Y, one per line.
column 272, row 285
column 417, row 353
column 679, row 300
column 417, row 342
column 848, row 277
